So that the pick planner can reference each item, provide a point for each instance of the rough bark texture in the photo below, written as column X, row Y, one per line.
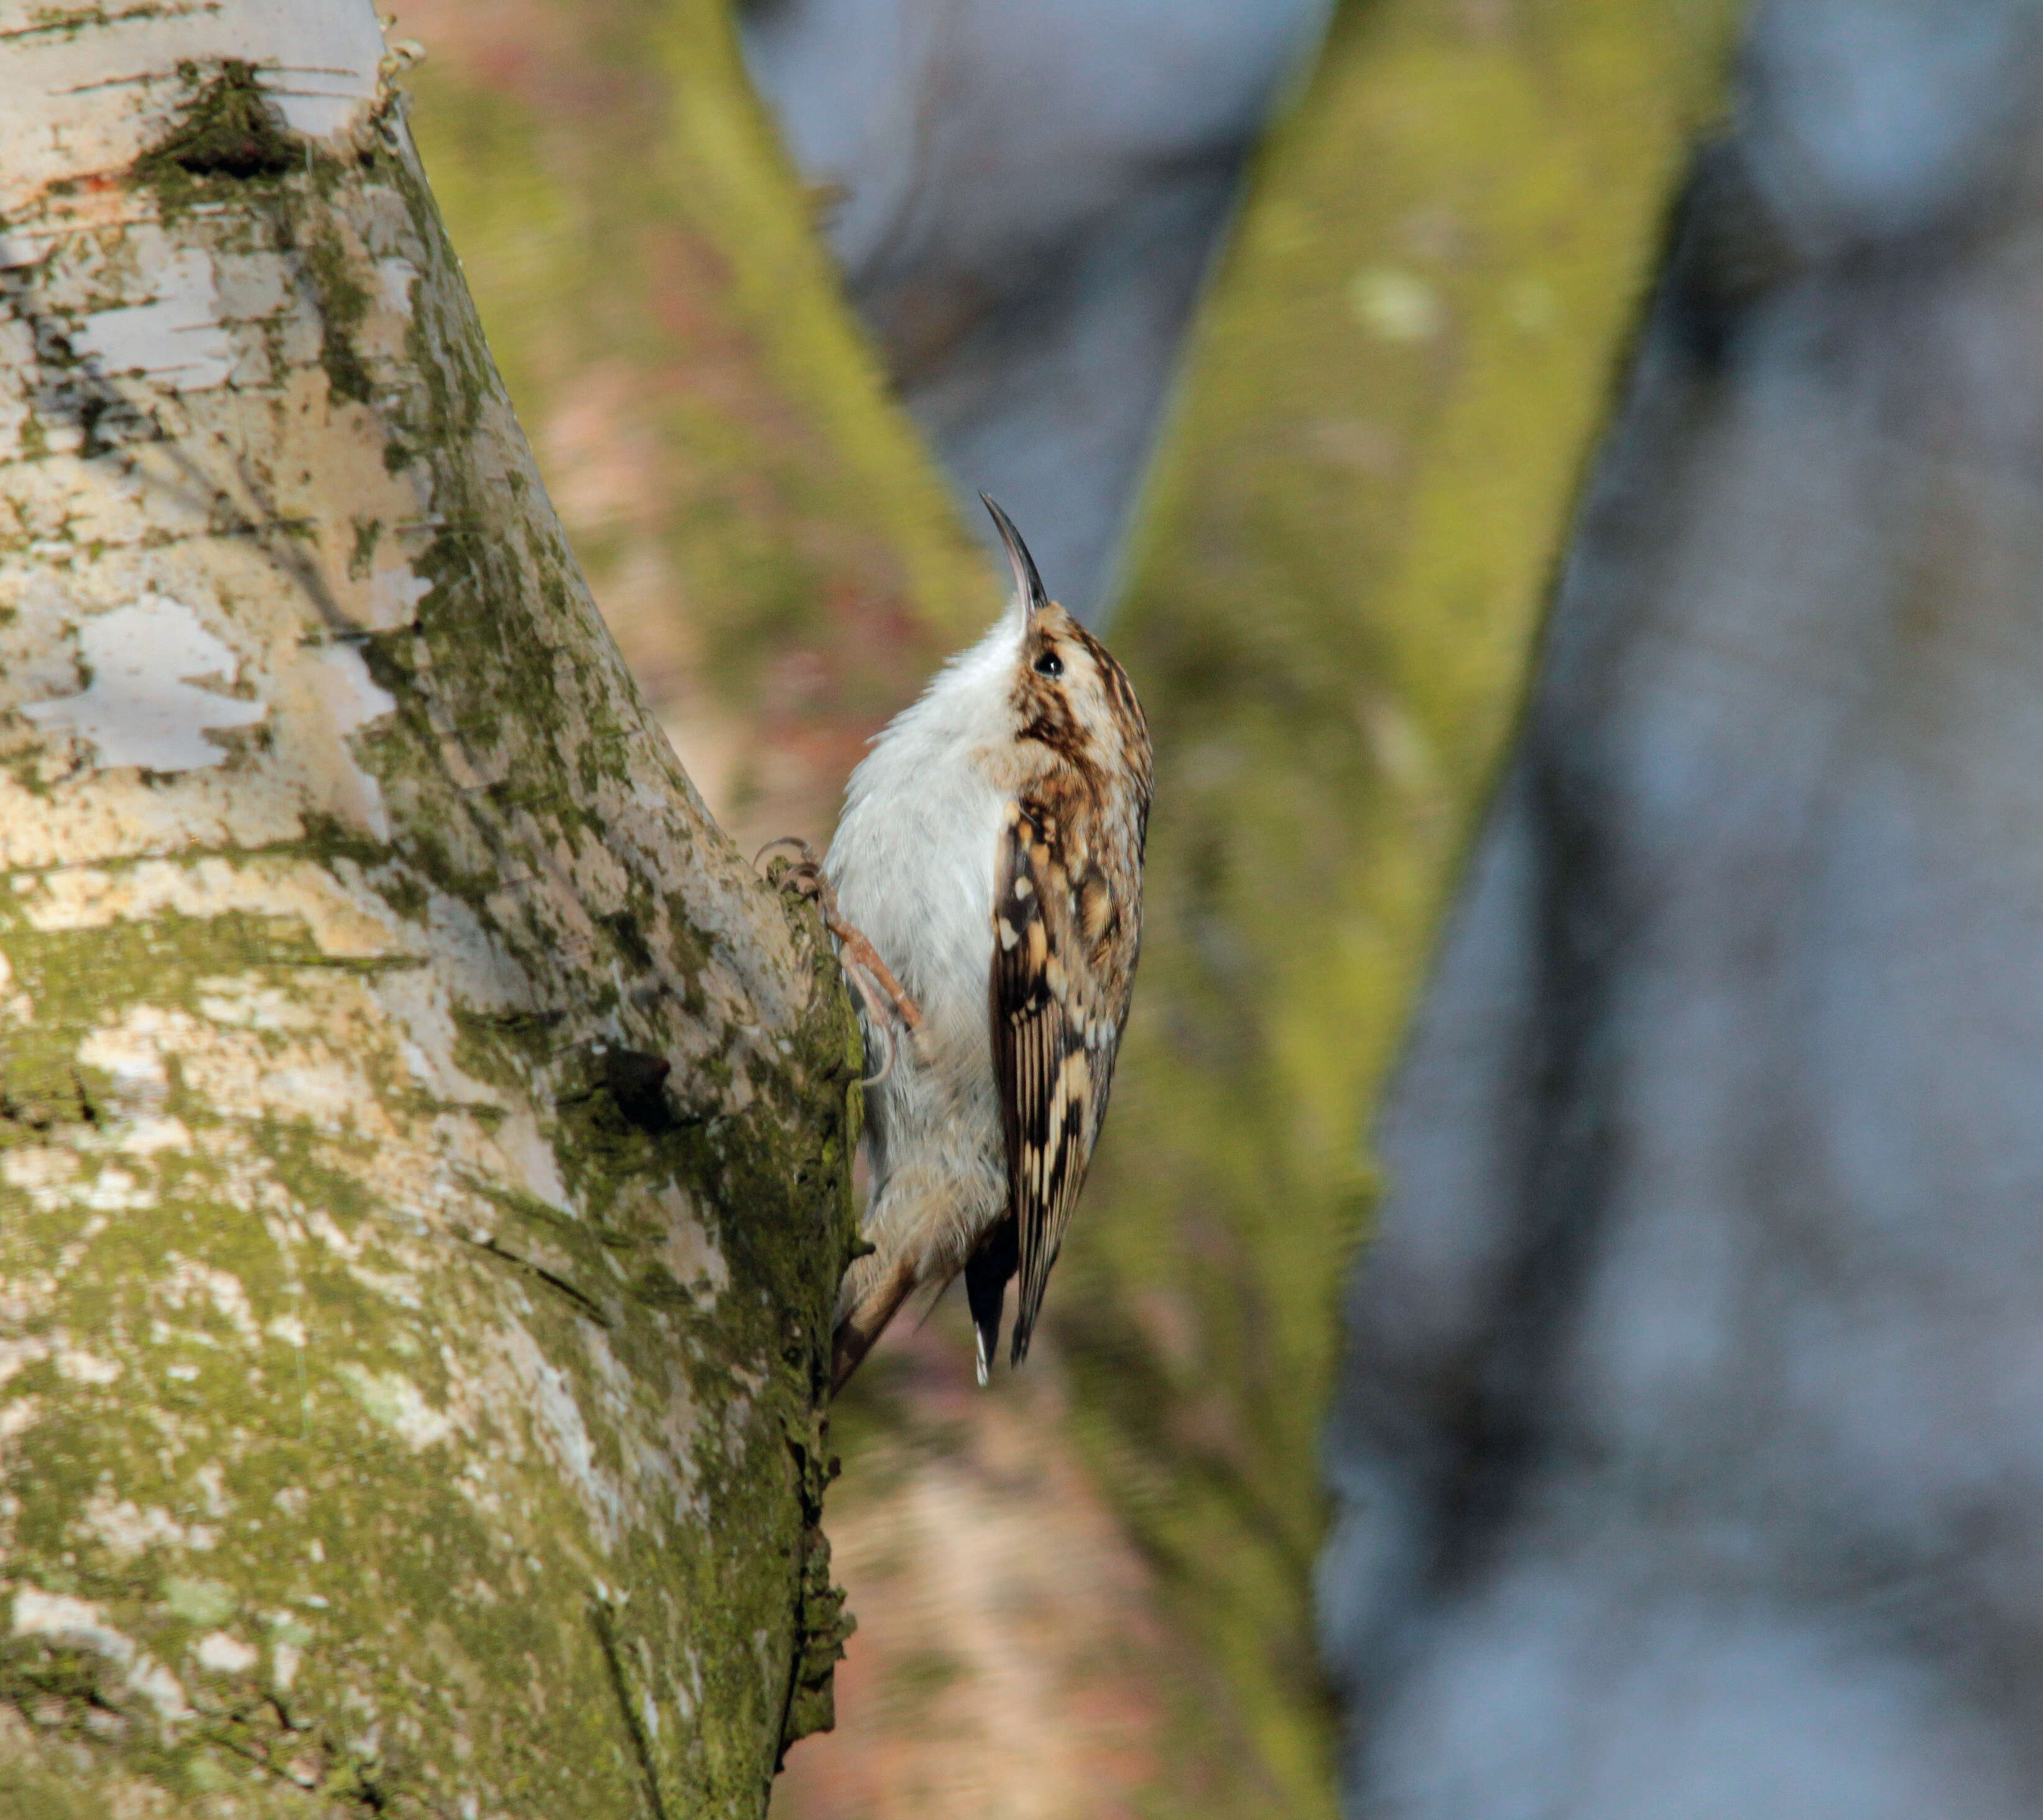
column 1688, row 1446
column 1406, row 358
column 424, row 1145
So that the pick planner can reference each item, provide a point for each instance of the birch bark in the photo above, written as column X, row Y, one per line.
column 423, row 1143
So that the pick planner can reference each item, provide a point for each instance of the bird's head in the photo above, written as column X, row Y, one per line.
column 1068, row 691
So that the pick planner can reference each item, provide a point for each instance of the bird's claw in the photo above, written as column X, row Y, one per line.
column 805, row 877
column 801, row 875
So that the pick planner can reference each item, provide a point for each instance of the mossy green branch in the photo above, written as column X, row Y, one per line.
column 1404, row 364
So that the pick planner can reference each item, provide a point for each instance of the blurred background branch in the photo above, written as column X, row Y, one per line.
column 1399, row 377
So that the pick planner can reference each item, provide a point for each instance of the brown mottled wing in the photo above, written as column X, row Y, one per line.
column 1063, row 955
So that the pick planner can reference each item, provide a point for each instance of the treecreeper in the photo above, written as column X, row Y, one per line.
column 985, row 890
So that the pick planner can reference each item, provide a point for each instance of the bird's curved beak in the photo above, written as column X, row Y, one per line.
column 1028, row 584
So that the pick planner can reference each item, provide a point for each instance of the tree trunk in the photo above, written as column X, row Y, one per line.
column 424, row 1147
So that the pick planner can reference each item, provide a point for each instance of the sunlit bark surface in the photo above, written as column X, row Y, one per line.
column 423, row 1143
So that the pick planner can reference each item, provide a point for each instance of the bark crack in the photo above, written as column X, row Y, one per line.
column 583, row 1304
column 642, row 1746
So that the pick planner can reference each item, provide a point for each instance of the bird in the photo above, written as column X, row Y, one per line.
column 985, row 886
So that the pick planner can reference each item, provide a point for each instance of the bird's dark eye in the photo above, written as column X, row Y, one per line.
column 1049, row 664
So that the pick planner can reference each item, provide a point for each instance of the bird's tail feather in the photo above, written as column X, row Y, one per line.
column 873, row 1304
column 987, row 1272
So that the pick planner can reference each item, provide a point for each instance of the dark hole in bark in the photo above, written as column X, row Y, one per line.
column 637, row 1083
column 230, row 129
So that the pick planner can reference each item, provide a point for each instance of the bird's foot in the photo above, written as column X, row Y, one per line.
column 870, row 974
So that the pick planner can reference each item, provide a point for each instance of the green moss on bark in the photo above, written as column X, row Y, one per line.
column 228, row 133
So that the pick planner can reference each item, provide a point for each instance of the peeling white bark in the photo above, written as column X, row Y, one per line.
column 146, row 705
